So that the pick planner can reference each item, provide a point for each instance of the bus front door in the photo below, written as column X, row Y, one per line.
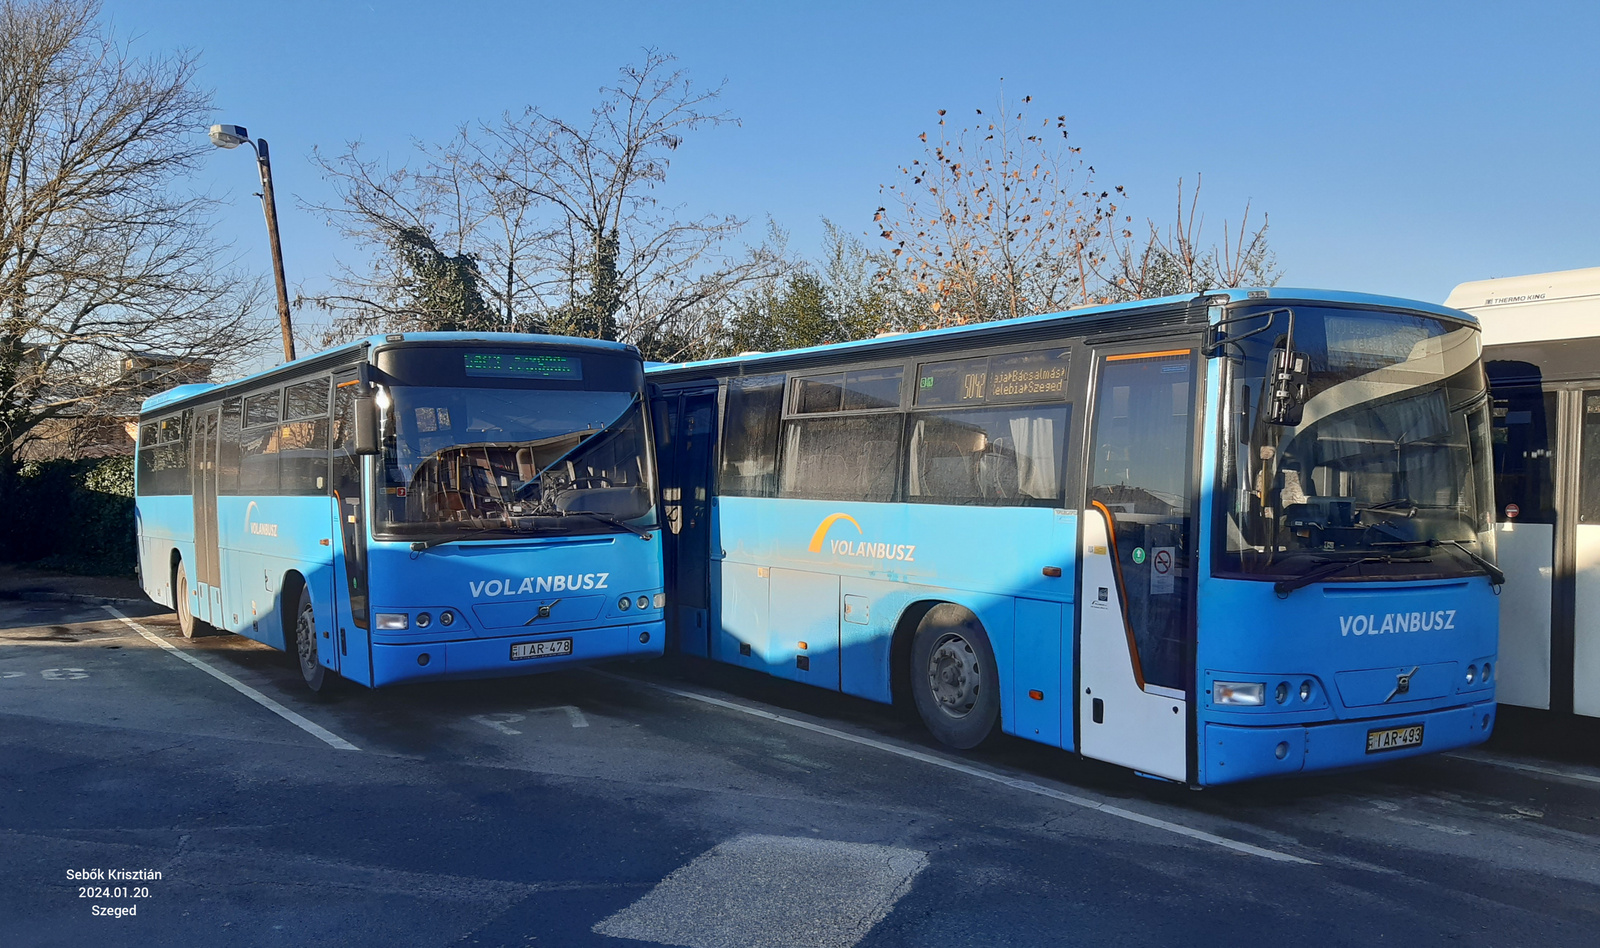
column 351, row 617
column 208, row 573
column 1136, row 599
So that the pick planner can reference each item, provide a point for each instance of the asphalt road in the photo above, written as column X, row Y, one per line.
column 682, row 803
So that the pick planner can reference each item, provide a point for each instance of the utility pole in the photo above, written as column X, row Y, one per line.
column 232, row 136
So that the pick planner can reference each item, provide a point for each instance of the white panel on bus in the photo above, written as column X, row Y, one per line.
column 1143, row 729
column 1586, row 627
column 1525, row 551
column 1560, row 305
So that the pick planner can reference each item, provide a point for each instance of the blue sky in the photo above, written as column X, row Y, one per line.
column 1398, row 147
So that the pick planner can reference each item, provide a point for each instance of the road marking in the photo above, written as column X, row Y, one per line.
column 500, row 719
column 293, row 717
column 13, row 675
column 63, row 674
column 502, row 724
column 573, row 714
column 1529, row 768
column 770, row 892
column 1016, row 783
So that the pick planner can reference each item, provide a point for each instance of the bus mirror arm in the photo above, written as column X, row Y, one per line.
column 366, row 433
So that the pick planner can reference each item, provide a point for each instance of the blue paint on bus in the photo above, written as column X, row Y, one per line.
column 507, row 524
column 1169, row 573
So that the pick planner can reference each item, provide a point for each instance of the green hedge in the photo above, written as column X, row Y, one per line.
column 75, row 516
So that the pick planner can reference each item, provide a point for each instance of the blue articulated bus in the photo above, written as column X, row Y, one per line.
column 1209, row 538
column 411, row 506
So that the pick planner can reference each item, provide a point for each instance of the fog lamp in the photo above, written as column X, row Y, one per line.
column 643, row 601
column 424, row 620
column 1282, row 693
column 447, row 618
column 1486, row 667
column 1305, row 690
column 393, row 621
column 1252, row 693
column 624, row 603
column 1472, row 674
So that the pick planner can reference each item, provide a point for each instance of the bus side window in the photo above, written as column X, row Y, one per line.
column 303, row 440
column 164, row 463
column 750, row 425
column 147, row 458
column 259, row 444
column 228, row 447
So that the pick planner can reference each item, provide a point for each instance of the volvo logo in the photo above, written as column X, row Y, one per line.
column 1402, row 683
column 543, row 613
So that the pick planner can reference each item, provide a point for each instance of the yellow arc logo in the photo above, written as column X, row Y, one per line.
column 822, row 529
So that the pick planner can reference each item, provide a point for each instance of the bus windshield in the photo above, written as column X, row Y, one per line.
column 1387, row 467
column 476, row 463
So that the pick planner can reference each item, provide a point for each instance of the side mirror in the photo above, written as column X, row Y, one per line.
column 1288, row 375
column 366, row 424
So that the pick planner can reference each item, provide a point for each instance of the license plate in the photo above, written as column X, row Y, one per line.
column 1393, row 738
column 521, row 650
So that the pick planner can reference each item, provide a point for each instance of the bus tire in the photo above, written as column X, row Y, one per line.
column 305, row 642
column 953, row 677
column 188, row 624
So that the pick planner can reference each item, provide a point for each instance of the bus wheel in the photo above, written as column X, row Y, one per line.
column 305, row 638
column 187, row 623
column 953, row 677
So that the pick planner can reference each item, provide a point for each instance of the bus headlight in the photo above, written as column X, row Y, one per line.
column 624, row 603
column 424, row 620
column 447, row 618
column 1252, row 693
column 393, row 621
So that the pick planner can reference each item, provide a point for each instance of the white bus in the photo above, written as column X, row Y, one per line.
column 1541, row 337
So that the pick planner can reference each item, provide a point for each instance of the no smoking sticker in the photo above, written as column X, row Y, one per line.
column 1162, row 559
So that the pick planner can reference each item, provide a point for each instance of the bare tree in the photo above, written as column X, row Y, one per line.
column 454, row 244
column 1176, row 260
column 102, row 254
column 998, row 219
column 557, row 225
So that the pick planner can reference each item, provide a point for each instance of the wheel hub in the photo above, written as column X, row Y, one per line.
column 953, row 674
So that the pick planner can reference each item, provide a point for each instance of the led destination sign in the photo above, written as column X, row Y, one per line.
column 522, row 365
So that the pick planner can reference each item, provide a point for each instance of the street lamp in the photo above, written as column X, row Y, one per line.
column 232, row 136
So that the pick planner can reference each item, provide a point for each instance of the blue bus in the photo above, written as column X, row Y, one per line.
column 411, row 506
column 1209, row 538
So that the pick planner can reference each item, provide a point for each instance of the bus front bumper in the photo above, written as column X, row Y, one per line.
column 1231, row 754
column 491, row 658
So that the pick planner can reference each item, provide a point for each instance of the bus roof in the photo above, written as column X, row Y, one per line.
column 1564, row 304
column 338, row 354
column 979, row 333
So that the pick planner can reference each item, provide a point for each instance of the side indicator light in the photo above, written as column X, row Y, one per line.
column 804, row 647
column 1052, row 571
column 323, row 542
column 1036, row 695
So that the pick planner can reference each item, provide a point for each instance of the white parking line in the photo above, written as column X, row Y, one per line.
column 1529, row 768
column 1015, row 783
column 298, row 720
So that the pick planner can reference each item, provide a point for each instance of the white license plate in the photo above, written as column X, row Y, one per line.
column 521, row 650
column 1393, row 738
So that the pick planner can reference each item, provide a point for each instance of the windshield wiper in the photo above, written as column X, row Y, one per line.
column 1496, row 574
column 607, row 518
column 1284, row 587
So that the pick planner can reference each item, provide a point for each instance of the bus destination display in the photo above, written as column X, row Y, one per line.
column 522, row 365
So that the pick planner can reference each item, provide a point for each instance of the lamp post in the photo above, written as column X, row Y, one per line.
column 232, row 136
